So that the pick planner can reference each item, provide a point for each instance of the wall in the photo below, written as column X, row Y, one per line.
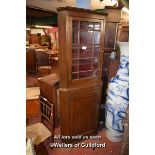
column 96, row 4
column 83, row 4
column 51, row 4
column 35, row 31
column 54, row 4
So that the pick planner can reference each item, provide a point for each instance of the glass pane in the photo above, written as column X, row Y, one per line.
column 85, row 52
column 85, row 61
column 85, row 74
column 85, row 55
column 75, row 53
column 91, row 25
column 75, row 62
column 95, row 73
column 97, row 26
column 75, row 37
column 74, row 75
column 86, row 25
column 96, row 37
column 86, row 37
column 85, row 67
column 74, row 68
column 96, row 51
column 95, row 63
column 75, row 24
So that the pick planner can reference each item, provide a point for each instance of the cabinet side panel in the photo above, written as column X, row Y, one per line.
column 50, row 93
column 64, row 112
column 62, row 35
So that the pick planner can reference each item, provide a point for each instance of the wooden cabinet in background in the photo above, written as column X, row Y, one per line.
column 81, row 47
column 33, row 39
column 113, row 67
column 32, row 102
column 49, row 92
column 111, row 37
column 112, row 27
column 30, row 60
column 124, row 33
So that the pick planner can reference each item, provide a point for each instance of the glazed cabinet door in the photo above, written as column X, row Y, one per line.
column 86, row 50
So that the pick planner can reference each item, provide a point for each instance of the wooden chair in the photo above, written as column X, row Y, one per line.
column 43, row 61
column 30, row 61
column 54, row 59
column 42, row 131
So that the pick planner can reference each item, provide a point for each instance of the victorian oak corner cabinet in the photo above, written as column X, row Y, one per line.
column 81, row 47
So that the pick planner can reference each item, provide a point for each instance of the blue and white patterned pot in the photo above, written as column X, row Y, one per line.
column 118, row 98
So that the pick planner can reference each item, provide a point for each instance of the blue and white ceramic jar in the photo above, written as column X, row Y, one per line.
column 118, row 97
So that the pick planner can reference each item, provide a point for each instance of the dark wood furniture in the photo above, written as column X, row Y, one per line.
column 43, row 62
column 111, row 37
column 81, row 47
column 113, row 67
column 110, row 66
column 54, row 58
column 32, row 108
column 32, row 102
column 124, row 33
column 33, row 39
column 112, row 27
column 30, row 61
column 49, row 91
column 42, row 131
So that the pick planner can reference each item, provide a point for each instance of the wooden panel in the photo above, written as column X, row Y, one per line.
column 32, row 108
column 113, row 15
column 84, row 119
column 105, row 76
column 64, row 111
column 105, row 69
column 110, row 35
column 48, row 89
column 30, row 60
column 85, row 12
column 62, row 35
column 80, row 110
column 124, row 34
column 113, row 67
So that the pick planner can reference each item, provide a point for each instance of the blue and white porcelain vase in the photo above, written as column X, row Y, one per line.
column 118, row 97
